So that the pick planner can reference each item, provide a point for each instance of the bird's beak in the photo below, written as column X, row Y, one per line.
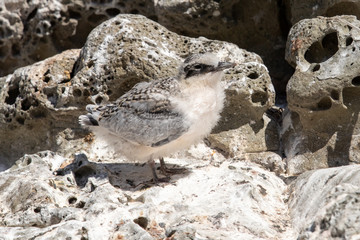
column 225, row 65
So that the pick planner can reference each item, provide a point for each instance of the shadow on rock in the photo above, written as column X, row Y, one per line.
column 127, row 176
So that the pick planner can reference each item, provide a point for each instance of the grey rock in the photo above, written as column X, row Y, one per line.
column 40, row 103
column 38, row 110
column 123, row 59
column 324, row 203
column 34, row 30
column 321, row 127
column 242, row 201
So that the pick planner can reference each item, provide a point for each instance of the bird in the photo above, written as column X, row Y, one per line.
column 163, row 116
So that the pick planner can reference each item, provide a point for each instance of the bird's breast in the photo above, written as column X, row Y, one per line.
column 201, row 107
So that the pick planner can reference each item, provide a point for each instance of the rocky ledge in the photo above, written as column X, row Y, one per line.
column 284, row 170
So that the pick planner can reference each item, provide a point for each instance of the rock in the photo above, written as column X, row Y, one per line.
column 108, row 200
column 297, row 10
column 122, row 56
column 38, row 110
column 43, row 101
column 254, row 141
column 321, row 128
column 34, row 30
column 324, row 203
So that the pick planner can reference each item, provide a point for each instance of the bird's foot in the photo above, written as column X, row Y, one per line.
column 169, row 171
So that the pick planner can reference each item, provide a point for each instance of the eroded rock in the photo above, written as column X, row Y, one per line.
column 42, row 101
column 322, row 128
column 127, row 56
column 34, row 30
column 324, row 203
column 243, row 200
column 38, row 110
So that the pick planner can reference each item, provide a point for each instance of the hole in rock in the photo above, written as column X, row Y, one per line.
column 25, row 104
column 80, row 204
column 77, row 92
column 349, row 41
column 98, row 100
column 316, row 68
column 47, row 79
column 253, row 75
column 259, row 97
column 20, row 120
column 335, row 95
column 72, row 200
column 356, row 81
column 324, row 104
column 37, row 210
column 321, row 51
column 142, row 222
column 112, row 11
column 13, row 93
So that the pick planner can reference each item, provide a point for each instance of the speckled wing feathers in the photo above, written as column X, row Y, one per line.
column 144, row 115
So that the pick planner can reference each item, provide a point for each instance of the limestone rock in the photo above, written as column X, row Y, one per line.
column 40, row 103
column 321, row 127
column 127, row 56
column 324, row 203
column 103, row 200
column 34, row 30
column 37, row 104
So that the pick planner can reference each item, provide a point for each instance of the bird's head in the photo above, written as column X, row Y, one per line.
column 205, row 64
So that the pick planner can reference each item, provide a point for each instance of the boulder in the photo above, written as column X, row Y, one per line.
column 31, row 31
column 321, row 127
column 40, row 103
column 324, row 203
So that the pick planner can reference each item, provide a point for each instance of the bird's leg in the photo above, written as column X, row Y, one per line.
column 156, row 179
column 167, row 171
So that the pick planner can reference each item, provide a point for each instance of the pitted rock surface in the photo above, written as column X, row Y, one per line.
column 38, row 110
column 118, row 54
column 34, row 30
column 100, row 200
column 322, row 126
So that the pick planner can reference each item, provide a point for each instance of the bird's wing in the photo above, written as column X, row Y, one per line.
column 144, row 115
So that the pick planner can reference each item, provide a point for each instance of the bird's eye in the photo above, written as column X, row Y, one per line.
column 198, row 67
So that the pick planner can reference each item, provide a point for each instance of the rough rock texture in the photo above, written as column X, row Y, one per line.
column 43, row 101
column 34, row 30
column 37, row 107
column 324, row 203
column 321, row 127
column 103, row 200
column 297, row 10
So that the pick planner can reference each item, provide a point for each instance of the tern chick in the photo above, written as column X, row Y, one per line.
column 155, row 119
